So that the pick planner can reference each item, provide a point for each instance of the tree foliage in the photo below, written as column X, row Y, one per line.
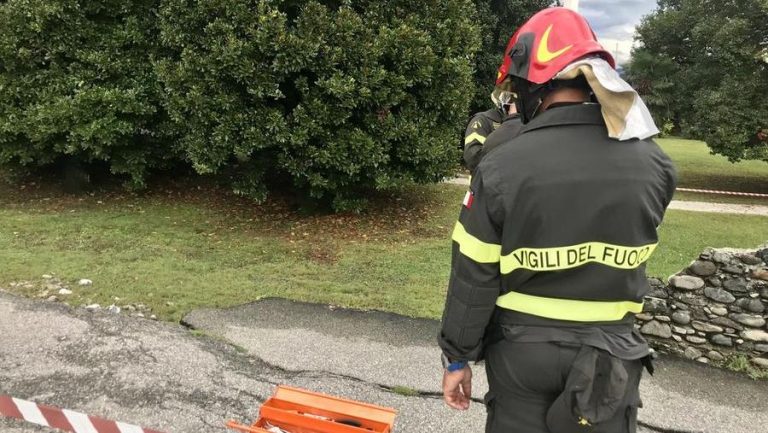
column 340, row 98
column 77, row 82
column 333, row 98
column 703, row 65
column 497, row 21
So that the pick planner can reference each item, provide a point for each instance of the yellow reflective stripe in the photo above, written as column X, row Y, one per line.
column 474, row 248
column 474, row 136
column 559, row 258
column 568, row 309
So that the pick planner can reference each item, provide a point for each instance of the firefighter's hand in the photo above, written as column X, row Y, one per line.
column 457, row 388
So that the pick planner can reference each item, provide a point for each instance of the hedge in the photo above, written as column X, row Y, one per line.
column 334, row 99
column 77, row 83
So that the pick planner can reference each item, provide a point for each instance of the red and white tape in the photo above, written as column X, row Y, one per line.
column 63, row 419
column 711, row 191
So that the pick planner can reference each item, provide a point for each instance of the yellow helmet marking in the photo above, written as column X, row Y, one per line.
column 543, row 54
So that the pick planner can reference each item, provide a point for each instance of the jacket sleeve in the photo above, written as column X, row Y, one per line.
column 474, row 137
column 475, row 278
column 671, row 176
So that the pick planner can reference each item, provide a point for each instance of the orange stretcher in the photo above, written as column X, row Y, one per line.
column 294, row 410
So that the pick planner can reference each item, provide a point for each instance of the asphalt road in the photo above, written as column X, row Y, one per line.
column 164, row 376
column 393, row 350
column 159, row 375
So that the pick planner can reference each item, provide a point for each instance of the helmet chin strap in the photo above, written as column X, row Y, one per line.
column 530, row 97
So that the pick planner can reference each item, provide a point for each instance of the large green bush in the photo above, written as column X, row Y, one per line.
column 497, row 22
column 77, row 83
column 337, row 97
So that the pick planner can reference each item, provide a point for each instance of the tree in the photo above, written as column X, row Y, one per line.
column 703, row 64
column 497, row 21
column 335, row 98
column 77, row 85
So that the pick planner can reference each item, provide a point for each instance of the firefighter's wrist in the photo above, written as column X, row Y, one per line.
column 452, row 366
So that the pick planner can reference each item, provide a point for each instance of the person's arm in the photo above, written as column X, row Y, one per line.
column 474, row 137
column 473, row 288
column 671, row 175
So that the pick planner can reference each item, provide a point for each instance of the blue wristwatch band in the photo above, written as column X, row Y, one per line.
column 456, row 366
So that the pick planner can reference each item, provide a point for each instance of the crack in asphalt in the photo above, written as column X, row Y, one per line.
column 426, row 395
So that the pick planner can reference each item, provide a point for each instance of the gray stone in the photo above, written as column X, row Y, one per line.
column 65, row 292
column 656, row 283
column 644, row 317
column 763, row 254
column 749, row 320
column 715, row 356
column 686, row 282
column 721, row 257
column 85, row 282
column 677, row 338
column 680, row 305
column 655, row 306
column 714, row 282
column 721, row 340
column 703, row 268
column 703, row 360
column 724, row 321
column 692, row 353
column 47, row 277
column 735, row 284
column 690, row 298
column 760, row 362
column 749, row 259
column 663, row 318
column 755, row 335
column 114, row 309
column 706, row 327
column 681, row 317
column 706, row 254
column 93, row 307
column 52, row 298
column 764, row 292
column 719, row 295
column 658, row 293
column 760, row 274
column 696, row 340
column 679, row 330
column 755, row 306
column 740, row 341
column 733, row 269
column 657, row 329
column 720, row 311
column 761, row 347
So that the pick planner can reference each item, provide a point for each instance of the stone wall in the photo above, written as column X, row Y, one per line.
column 715, row 308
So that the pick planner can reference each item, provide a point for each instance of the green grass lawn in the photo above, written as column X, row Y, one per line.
column 180, row 248
column 697, row 168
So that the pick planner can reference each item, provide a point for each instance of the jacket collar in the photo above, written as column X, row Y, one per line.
column 580, row 114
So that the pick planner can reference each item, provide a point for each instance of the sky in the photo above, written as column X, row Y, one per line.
column 614, row 22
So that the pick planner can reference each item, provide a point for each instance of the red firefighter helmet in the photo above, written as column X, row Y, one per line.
column 548, row 42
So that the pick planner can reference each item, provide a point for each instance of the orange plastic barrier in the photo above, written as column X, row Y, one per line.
column 299, row 411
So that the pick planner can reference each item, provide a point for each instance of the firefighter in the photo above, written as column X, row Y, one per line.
column 549, row 253
column 482, row 124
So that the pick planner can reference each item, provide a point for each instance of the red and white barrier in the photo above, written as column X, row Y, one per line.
column 63, row 419
column 712, row 191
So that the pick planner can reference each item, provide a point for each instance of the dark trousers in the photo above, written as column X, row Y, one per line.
column 526, row 378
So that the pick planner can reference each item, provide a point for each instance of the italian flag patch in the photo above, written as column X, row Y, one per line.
column 468, row 199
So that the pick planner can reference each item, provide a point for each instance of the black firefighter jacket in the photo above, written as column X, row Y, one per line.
column 555, row 230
